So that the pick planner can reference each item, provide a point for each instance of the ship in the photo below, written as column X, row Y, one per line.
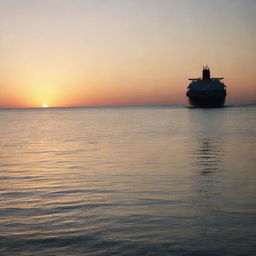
column 207, row 91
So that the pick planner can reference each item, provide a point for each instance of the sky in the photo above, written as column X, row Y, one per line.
column 123, row 52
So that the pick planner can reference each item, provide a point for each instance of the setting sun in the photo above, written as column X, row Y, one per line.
column 44, row 105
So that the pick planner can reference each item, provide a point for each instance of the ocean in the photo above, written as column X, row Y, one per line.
column 167, row 180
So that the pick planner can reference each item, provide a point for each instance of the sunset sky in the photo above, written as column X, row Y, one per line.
column 123, row 52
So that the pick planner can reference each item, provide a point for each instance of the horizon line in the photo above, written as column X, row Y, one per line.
column 97, row 106
column 123, row 106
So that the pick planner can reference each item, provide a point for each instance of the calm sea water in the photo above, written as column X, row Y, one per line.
column 128, row 181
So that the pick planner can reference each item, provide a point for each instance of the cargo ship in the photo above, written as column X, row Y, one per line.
column 207, row 91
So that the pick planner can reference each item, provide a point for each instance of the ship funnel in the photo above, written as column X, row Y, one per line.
column 206, row 73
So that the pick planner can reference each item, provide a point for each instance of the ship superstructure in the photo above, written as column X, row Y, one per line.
column 206, row 91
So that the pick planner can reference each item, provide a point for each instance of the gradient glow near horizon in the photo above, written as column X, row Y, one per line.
column 123, row 52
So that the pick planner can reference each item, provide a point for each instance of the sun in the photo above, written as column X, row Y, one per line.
column 44, row 105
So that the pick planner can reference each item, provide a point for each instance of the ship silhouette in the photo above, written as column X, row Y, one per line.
column 206, row 92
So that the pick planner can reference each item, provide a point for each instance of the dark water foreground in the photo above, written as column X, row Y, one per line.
column 128, row 181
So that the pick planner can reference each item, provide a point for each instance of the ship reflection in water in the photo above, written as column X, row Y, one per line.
column 208, row 155
column 208, row 198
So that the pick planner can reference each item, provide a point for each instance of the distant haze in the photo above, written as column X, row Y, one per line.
column 123, row 52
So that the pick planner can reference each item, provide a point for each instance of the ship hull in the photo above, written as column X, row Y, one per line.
column 207, row 100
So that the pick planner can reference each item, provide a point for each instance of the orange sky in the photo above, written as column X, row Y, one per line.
column 128, row 52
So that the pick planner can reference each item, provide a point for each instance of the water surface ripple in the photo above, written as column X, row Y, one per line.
column 128, row 181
